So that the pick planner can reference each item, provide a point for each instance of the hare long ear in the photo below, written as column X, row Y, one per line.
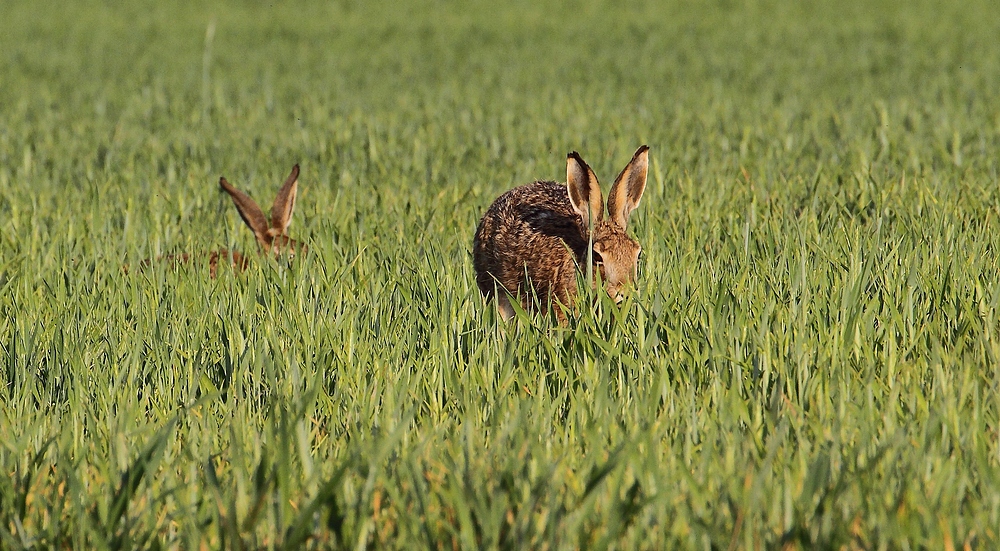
column 249, row 211
column 584, row 190
column 628, row 187
column 284, row 203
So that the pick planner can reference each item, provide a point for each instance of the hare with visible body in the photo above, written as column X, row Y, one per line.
column 272, row 238
column 533, row 238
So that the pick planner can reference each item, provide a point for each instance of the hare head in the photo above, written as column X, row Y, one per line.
column 615, row 254
column 271, row 236
column 534, row 239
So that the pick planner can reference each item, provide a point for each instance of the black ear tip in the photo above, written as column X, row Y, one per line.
column 642, row 149
column 576, row 157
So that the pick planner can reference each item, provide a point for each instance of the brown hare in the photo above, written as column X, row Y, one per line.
column 272, row 238
column 534, row 238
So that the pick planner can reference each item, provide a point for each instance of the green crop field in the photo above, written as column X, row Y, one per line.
column 809, row 360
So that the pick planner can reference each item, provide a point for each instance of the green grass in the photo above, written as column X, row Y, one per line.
column 810, row 360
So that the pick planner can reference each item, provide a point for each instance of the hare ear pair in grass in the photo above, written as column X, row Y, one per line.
column 534, row 238
column 272, row 236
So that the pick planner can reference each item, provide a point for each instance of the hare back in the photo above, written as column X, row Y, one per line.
column 530, row 236
column 175, row 261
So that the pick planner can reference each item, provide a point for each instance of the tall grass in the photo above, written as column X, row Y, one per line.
column 810, row 358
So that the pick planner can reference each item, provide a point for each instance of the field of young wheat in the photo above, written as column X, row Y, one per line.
column 809, row 360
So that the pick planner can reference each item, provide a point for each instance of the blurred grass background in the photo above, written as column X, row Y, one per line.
column 810, row 359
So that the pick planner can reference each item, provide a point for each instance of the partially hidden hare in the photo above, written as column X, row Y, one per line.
column 272, row 237
column 534, row 238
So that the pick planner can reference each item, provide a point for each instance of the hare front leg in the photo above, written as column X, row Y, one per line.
column 503, row 304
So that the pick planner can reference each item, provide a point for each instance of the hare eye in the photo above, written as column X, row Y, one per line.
column 598, row 259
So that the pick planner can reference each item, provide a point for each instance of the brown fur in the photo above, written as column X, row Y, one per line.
column 534, row 238
column 271, row 235
column 239, row 262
